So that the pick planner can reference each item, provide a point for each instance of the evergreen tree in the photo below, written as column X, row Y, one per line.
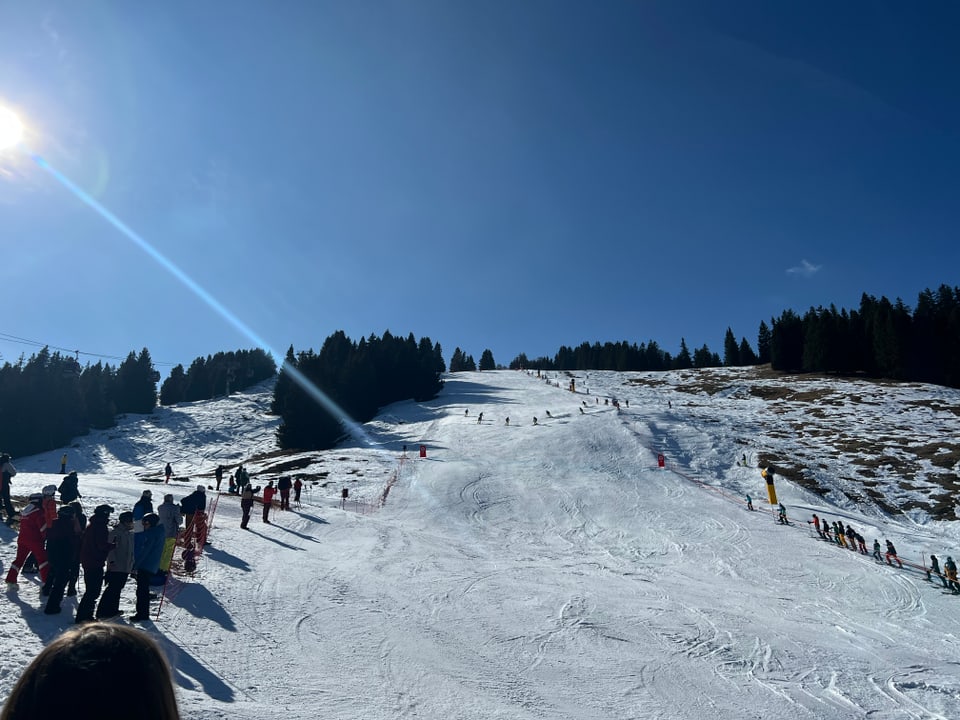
column 486, row 361
column 731, row 351
column 763, row 343
column 683, row 359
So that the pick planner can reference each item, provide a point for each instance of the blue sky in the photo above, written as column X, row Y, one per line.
column 507, row 175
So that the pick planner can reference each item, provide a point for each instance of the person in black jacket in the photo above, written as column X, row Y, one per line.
column 195, row 502
column 63, row 541
column 284, row 485
column 69, row 490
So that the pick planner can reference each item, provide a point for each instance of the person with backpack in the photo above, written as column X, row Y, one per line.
column 877, row 554
column 94, row 548
column 171, row 516
column 69, row 490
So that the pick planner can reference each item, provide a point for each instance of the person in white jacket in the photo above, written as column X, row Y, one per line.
column 119, row 566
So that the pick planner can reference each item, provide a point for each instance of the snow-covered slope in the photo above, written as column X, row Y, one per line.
column 549, row 570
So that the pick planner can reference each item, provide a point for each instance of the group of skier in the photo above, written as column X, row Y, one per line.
column 140, row 544
column 848, row 537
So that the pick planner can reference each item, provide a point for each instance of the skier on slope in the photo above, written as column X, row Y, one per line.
column 935, row 569
column 268, row 492
column 950, row 570
column 892, row 553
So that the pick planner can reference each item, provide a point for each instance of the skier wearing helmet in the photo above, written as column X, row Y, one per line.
column 33, row 532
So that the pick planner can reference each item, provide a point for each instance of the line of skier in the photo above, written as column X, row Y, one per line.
column 848, row 537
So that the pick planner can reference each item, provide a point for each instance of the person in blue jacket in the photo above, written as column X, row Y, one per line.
column 147, row 551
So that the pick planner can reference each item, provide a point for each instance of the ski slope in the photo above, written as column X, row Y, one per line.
column 525, row 571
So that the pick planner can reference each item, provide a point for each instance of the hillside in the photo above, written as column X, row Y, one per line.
column 553, row 569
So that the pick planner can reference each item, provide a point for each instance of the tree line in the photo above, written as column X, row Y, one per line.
column 881, row 339
column 49, row 399
column 217, row 375
column 358, row 377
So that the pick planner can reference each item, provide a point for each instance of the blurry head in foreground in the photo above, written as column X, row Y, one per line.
column 98, row 660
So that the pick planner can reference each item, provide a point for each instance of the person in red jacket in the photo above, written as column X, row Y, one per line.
column 268, row 492
column 33, row 532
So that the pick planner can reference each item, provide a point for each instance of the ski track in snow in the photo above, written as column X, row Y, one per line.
column 549, row 571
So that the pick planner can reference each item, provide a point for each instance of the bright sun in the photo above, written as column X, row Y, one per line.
column 10, row 129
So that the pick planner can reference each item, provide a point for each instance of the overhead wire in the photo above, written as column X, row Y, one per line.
column 104, row 356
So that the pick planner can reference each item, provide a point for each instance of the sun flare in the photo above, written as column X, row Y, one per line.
column 11, row 130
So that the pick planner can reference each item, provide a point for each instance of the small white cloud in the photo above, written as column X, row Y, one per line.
column 805, row 268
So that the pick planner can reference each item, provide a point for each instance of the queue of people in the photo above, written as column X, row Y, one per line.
column 848, row 537
column 139, row 544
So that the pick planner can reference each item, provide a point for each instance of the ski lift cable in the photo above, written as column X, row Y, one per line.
column 36, row 343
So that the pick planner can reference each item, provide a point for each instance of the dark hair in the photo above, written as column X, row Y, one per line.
column 98, row 660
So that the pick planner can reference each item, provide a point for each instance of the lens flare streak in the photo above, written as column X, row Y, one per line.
column 355, row 430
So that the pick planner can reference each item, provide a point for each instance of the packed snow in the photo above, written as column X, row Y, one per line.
column 548, row 570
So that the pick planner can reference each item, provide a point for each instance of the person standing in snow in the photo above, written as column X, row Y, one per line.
column 63, row 464
column 142, row 507
column 950, row 570
column 147, row 551
column 170, row 518
column 782, row 514
column 7, row 471
column 194, row 508
column 268, row 492
column 69, row 490
column 167, row 472
column 119, row 566
column 246, row 503
column 816, row 524
column 892, row 553
column 30, row 540
column 935, row 569
column 749, row 503
column 63, row 545
column 218, row 474
column 297, row 487
column 284, row 485
column 94, row 547
column 877, row 553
